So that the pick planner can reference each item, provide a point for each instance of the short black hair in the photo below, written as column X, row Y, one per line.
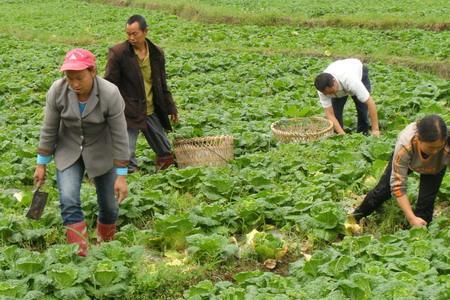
column 323, row 80
column 432, row 128
column 140, row 19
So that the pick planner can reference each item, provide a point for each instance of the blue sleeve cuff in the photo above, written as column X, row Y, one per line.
column 43, row 159
column 121, row 171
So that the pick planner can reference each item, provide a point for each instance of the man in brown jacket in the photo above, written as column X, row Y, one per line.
column 137, row 67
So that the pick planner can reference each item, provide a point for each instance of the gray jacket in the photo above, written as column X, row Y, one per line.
column 99, row 135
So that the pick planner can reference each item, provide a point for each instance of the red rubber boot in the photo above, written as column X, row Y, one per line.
column 105, row 232
column 163, row 162
column 77, row 234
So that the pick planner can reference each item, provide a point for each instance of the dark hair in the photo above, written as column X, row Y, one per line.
column 431, row 128
column 140, row 19
column 323, row 80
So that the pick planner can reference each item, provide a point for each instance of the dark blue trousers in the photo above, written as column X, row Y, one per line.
column 361, row 108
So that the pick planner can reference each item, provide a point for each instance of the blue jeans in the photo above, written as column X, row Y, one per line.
column 361, row 108
column 69, row 186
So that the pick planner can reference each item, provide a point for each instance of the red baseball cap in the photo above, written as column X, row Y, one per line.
column 78, row 59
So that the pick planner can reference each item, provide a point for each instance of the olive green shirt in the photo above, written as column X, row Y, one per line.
column 147, row 76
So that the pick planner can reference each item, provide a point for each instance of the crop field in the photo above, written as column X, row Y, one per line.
column 269, row 224
column 430, row 14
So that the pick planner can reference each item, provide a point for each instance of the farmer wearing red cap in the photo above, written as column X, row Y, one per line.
column 137, row 67
column 84, row 130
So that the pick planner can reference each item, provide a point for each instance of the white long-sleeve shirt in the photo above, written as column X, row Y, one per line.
column 348, row 73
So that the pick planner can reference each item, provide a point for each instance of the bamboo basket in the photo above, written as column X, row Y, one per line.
column 203, row 151
column 302, row 129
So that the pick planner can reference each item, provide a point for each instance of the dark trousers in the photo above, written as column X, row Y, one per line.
column 155, row 136
column 361, row 108
column 428, row 189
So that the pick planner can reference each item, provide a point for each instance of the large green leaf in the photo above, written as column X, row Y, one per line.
column 29, row 265
column 63, row 276
column 105, row 273
column 13, row 288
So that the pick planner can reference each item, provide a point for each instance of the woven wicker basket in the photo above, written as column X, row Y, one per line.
column 204, row 151
column 302, row 129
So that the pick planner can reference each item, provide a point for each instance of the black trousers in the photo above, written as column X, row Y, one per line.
column 154, row 134
column 361, row 108
column 428, row 189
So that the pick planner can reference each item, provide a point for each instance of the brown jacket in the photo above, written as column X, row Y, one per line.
column 123, row 70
